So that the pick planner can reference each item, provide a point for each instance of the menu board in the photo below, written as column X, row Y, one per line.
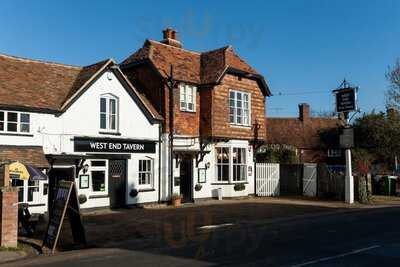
column 65, row 202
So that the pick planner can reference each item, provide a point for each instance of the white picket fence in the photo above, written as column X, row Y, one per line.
column 267, row 179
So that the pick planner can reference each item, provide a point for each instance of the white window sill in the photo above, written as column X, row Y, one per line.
column 16, row 134
column 244, row 126
column 189, row 111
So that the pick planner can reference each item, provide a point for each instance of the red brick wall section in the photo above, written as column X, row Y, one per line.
column 220, row 108
column 186, row 123
column 8, row 217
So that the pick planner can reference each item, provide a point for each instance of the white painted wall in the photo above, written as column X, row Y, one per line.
column 55, row 133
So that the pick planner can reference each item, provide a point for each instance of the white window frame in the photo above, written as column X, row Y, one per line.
column 231, row 164
column 241, row 165
column 234, row 118
column 98, row 168
column 187, row 95
column 108, row 98
column 220, row 165
column 18, row 122
column 149, row 185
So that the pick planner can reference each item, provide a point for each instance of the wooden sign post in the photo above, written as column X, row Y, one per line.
column 65, row 202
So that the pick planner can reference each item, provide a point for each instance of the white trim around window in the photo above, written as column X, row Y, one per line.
column 230, row 164
column 146, row 173
column 15, row 122
column 187, row 97
column 239, row 108
column 109, row 113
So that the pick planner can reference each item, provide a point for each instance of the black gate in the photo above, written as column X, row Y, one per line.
column 117, row 183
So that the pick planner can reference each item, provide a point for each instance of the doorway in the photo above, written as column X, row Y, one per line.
column 186, row 179
column 117, row 183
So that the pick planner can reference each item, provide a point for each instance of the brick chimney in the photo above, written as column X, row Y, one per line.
column 170, row 38
column 304, row 112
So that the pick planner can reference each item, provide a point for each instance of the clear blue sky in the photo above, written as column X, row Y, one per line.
column 299, row 46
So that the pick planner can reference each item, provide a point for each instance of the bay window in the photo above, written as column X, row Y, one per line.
column 14, row 122
column 187, row 96
column 231, row 164
column 239, row 164
column 108, row 112
column 239, row 108
column 223, row 156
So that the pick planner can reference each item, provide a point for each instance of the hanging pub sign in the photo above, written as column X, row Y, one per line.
column 86, row 144
column 65, row 203
column 346, row 99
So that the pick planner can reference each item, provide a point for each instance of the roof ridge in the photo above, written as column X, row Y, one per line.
column 180, row 48
column 40, row 61
column 221, row 48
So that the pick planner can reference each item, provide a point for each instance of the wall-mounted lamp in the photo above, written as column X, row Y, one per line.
column 208, row 165
column 85, row 168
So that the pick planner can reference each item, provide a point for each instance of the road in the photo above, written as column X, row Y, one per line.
column 368, row 237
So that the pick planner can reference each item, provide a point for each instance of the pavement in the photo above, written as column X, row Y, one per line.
column 6, row 256
column 252, row 232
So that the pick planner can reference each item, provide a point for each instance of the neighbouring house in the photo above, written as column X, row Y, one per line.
column 314, row 139
column 85, row 124
column 214, row 115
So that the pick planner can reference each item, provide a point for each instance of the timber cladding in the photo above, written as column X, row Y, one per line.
column 220, row 125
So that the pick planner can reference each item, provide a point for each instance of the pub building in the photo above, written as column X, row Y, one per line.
column 84, row 124
column 213, row 110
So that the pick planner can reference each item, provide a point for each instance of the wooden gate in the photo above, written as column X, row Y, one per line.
column 267, row 179
column 310, row 180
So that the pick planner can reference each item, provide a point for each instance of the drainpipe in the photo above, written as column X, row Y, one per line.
column 171, row 131
column 159, row 161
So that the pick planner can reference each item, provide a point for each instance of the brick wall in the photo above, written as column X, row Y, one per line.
column 220, row 108
column 8, row 217
column 186, row 123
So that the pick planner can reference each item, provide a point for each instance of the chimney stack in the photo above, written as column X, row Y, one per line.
column 170, row 38
column 304, row 112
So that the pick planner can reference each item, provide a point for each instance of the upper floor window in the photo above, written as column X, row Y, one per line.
column 239, row 108
column 108, row 112
column 14, row 122
column 187, row 94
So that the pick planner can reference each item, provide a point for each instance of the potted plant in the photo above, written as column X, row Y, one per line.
column 176, row 200
column 239, row 187
column 82, row 198
column 198, row 187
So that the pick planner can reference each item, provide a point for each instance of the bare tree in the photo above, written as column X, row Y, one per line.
column 393, row 92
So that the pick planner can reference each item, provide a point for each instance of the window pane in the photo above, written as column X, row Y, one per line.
column 190, row 106
column 24, row 128
column 1, row 126
column 24, row 118
column 113, row 107
column 113, row 124
column 103, row 105
column 225, row 173
column 231, row 95
column 239, row 96
column 103, row 121
column 11, row 127
column 98, row 181
column 12, row 116
column 1, row 115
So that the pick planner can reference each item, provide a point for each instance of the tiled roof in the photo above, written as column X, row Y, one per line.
column 49, row 86
column 39, row 84
column 189, row 66
column 30, row 155
column 298, row 133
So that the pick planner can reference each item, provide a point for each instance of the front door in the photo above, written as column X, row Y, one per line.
column 186, row 179
column 117, row 183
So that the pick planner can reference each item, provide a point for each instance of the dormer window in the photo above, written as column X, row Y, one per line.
column 108, row 113
column 14, row 122
column 187, row 97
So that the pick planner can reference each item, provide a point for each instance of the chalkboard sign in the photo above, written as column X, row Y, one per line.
column 65, row 202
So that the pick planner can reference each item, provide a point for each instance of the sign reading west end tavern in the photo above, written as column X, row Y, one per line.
column 346, row 100
column 84, row 144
